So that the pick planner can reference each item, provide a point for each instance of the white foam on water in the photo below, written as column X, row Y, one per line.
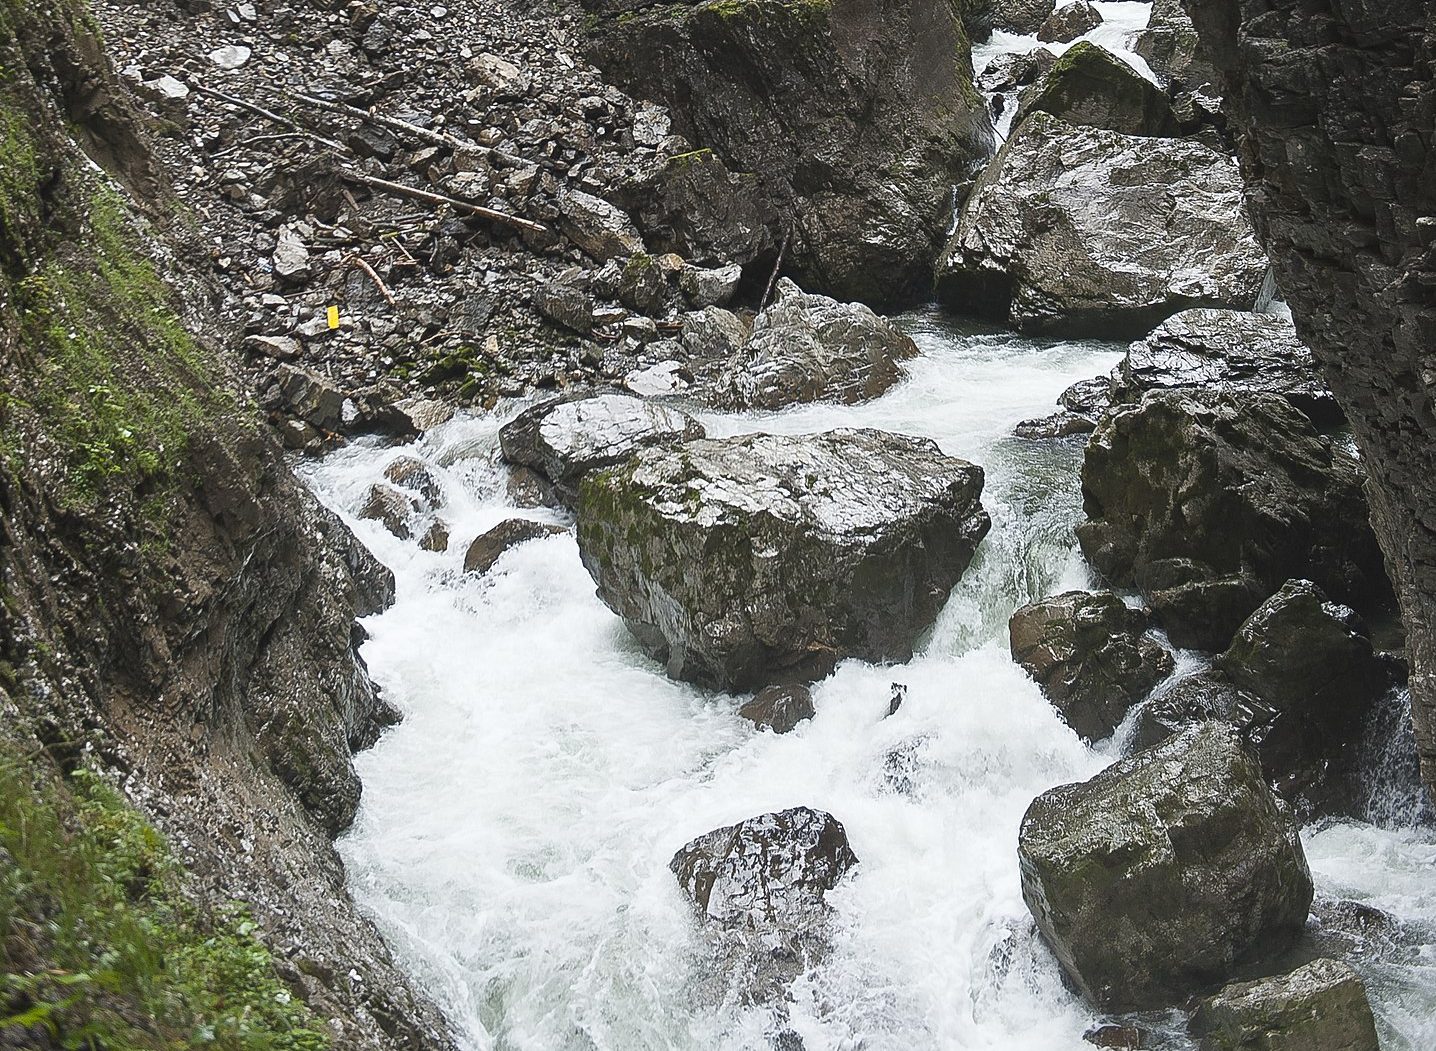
column 515, row 832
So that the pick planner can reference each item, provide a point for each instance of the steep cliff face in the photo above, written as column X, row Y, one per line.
column 179, row 614
column 1335, row 105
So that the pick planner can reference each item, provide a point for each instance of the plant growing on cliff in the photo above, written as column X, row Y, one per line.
column 100, row 947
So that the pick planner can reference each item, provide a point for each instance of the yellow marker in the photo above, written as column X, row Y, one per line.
column 333, row 318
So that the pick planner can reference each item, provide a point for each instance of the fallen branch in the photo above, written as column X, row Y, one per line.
column 355, row 259
column 430, row 197
column 773, row 279
column 268, row 115
column 404, row 127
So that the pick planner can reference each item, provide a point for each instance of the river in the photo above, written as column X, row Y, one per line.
column 516, row 828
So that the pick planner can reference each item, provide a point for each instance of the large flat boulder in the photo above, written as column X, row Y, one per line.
column 1321, row 1006
column 565, row 439
column 806, row 348
column 1091, row 655
column 1166, row 872
column 1228, row 350
column 1085, row 231
column 857, row 120
column 1207, row 502
column 743, row 561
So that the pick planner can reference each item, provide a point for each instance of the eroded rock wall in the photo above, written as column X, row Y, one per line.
column 1334, row 105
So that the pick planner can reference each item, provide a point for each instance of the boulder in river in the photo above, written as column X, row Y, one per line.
column 1320, row 1006
column 564, row 439
column 1023, row 17
column 1207, row 502
column 1070, row 21
column 743, row 561
column 1086, row 231
column 1091, row 656
column 807, row 348
column 779, row 708
column 770, row 871
column 1166, row 872
column 1171, row 49
column 487, row 548
column 1227, row 350
column 1091, row 86
column 857, row 120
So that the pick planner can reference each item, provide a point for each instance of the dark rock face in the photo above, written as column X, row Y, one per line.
column 1321, row 1006
column 1333, row 116
column 811, row 348
column 1165, row 872
column 489, row 547
column 779, row 708
column 1300, row 681
column 1207, row 502
column 768, row 871
column 1090, row 86
column 565, row 439
column 859, row 119
column 1227, row 350
column 1089, row 231
column 744, row 561
column 1090, row 655
column 1069, row 22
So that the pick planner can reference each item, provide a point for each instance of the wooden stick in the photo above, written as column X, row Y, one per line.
column 773, row 279
column 437, row 198
column 403, row 127
column 268, row 115
column 357, row 260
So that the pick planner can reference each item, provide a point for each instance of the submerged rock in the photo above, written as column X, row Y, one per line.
column 807, row 348
column 779, row 708
column 1091, row 86
column 565, row 439
column 740, row 561
column 1091, row 656
column 1089, row 231
column 1321, row 1006
column 1165, row 872
column 1207, row 502
column 1227, row 350
column 489, row 547
column 768, row 871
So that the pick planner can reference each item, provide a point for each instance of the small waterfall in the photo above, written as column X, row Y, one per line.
column 1395, row 796
column 1268, row 293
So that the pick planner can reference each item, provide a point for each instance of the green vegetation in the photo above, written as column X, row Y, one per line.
column 100, row 948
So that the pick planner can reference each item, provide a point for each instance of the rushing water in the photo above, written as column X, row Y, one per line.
column 516, row 828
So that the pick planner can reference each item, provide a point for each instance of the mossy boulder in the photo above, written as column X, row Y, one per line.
column 1166, row 872
column 1207, row 502
column 1091, row 655
column 739, row 562
column 1091, row 86
column 1321, row 1006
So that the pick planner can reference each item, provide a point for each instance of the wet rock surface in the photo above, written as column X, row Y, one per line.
column 1091, row 656
column 858, row 119
column 1165, row 872
column 1068, row 22
column 779, row 708
column 566, row 439
column 1207, row 502
column 488, row 548
column 741, row 561
column 1321, row 1006
column 1229, row 351
column 1090, row 231
column 1021, row 16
